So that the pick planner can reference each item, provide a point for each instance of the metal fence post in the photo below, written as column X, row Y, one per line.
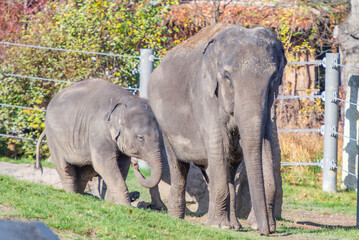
column 146, row 68
column 331, row 123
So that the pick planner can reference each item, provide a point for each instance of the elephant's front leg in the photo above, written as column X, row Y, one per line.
column 156, row 201
column 218, row 212
column 106, row 164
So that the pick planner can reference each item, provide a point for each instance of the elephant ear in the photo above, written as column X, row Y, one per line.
column 282, row 63
column 209, row 68
column 114, row 122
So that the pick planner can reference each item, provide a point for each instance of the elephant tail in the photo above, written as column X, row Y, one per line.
column 38, row 162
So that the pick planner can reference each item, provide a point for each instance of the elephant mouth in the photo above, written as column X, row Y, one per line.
column 135, row 160
column 136, row 155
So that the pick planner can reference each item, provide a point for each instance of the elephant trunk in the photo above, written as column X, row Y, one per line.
column 154, row 161
column 251, row 122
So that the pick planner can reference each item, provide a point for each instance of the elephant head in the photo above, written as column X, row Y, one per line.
column 243, row 69
column 135, row 130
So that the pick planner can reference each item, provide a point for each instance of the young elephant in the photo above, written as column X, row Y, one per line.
column 95, row 127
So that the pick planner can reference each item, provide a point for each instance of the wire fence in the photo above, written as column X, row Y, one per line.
column 332, row 98
column 134, row 89
column 152, row 58
column 329, row 130
column 69, row 50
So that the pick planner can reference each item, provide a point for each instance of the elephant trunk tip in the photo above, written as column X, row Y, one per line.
column 156, row 172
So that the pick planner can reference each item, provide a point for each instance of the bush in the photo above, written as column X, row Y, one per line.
column 104, row 26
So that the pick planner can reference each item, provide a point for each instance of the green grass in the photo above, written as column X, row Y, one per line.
column 76, row 216
column 309, row 197
column 87, row 217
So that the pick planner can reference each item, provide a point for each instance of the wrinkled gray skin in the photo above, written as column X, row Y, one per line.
column 212, row 97
column 96, row 127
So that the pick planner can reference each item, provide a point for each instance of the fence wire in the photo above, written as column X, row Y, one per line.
column 299, row 130
column 300, row 164
column 16, row 137
column 335, row 98
column 341, row 169
column 333, row 132
column 22, row 107
column 348, row 67
column 35, row 78
column 133, row 89
column 68, row 50
column 317, row 63
column 283, row 97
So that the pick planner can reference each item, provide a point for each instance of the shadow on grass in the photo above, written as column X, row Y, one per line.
column 313, row 224
column 290, row 228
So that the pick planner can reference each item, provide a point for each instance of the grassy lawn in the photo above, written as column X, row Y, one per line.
column 73, row 216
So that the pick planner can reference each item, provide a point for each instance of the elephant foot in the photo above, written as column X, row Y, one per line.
column 176, row 214
column 252, row 222
column 158, row 205
column 272, row 228
column 143, row 205
column 223, row 223
column 235, row 224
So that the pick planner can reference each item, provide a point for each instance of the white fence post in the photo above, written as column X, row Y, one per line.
column 331, row 123
column 146, row 68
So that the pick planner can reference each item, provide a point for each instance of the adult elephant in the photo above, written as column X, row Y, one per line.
column 212, row 96
column 95, row 127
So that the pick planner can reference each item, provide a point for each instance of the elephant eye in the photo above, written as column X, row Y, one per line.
column 140, row 138
column 227, row 76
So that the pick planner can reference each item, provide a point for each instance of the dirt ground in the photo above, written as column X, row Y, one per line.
column 300, row 219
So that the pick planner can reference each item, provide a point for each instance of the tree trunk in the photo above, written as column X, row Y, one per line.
column 347, row 36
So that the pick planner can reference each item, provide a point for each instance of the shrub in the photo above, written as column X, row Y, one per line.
column 105, row 26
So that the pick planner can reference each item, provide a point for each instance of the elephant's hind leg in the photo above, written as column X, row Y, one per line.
column 67, row 173
column 177, row 198
column 232, row 197
column 179, row 171
column 83, row 175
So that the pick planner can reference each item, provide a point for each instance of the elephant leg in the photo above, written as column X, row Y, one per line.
column 278, row 199
column 83, row 175
column 107, row 166
column 218, row 213
column 219, row 197
column 232, row 198
column 179, row 171
column 156, row 201
column 124, row 163
column 67, row 173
